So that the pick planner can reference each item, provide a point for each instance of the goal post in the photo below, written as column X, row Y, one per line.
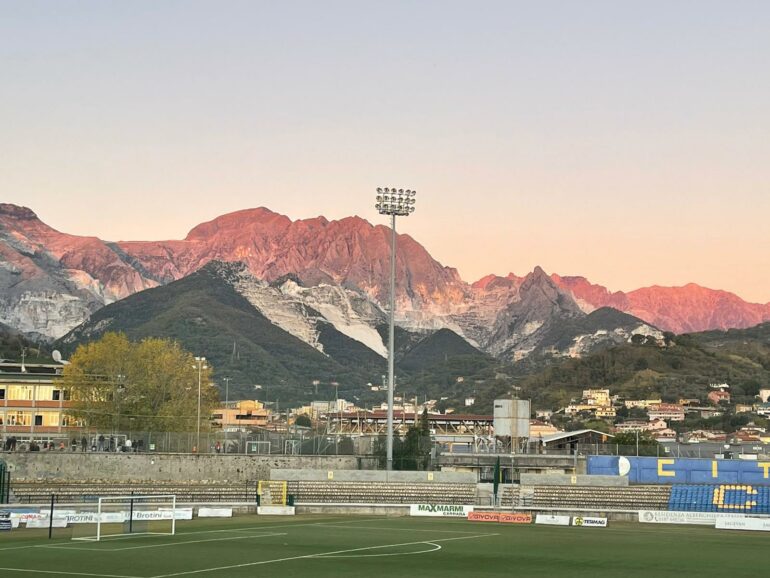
column 272, row 492
column 125, row 516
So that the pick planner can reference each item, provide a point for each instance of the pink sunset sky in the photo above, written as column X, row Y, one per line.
column 628, row 142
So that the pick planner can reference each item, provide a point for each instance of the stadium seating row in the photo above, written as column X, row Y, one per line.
column 36, row 492
column 725, row 498
column 381, row 492
column 609, row 498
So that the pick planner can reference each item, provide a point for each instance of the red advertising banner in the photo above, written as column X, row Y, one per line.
column 500, row 517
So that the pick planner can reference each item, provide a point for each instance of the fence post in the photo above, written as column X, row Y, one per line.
column 50, row 519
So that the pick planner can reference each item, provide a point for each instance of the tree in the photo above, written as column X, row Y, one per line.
column 150, row 385
column 303, row 421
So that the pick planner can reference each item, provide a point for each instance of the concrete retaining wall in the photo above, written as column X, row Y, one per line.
column 76, row 466
column 348, row 475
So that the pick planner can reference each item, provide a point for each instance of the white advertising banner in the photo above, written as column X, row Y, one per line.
column 585, row 521
column 440, row 510
column 275, row 510
column 550, row 520
column 43, row 522
column 666, row 517
column 179, row 513
column 215, row 512
column 151, row 515
column 743, row 523
column 25, row 517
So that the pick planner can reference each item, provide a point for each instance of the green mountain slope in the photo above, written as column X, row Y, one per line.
column 683, row 368
column 208, row 317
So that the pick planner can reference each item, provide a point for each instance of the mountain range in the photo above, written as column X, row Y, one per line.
column 51, row 282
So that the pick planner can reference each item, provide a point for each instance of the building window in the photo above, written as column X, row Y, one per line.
column 56, row 394
column 2, row 394
column 38, row 420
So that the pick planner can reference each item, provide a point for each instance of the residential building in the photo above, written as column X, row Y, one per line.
column 718, row 396
column 33, row 406
column 743, row 408
column 764, row 395
column 666, row 411
column 641, row 403
column 239, row 415
column 599, row 397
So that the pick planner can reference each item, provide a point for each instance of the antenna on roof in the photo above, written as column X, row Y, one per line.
column 56, row 355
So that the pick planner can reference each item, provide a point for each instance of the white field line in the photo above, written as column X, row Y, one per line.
column 63, row 573
column 66, row 547
column 319, row 555
column 435, row 548
column 18, row 547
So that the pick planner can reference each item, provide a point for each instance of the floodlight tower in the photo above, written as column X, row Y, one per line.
column 393, row 202
column 200, row 365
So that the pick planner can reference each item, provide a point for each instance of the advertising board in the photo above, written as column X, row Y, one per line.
column 215, row 512
column 439, row 510
column 552, row 520
column 500, row 517
column 743, row 523
column 666, row 517
column 587, row 522
column 275, row 510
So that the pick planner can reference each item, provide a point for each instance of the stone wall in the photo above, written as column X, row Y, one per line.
column 69, row 466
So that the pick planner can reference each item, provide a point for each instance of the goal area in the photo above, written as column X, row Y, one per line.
column 125, row 516
column 272, row 492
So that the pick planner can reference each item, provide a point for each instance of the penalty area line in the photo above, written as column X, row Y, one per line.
column 320, row 555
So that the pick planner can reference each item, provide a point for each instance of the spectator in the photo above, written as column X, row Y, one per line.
column 100, row 447
column 83, row 443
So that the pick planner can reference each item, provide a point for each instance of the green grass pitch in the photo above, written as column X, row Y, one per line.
column 367, row 547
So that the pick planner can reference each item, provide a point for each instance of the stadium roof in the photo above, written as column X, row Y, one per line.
column 576, row 433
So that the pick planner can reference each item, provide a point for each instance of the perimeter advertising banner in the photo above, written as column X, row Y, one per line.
column 500, row 517
column 553, row 520
column 667, row 517
column 743, row 523
column 586, row 522
column 439, row 510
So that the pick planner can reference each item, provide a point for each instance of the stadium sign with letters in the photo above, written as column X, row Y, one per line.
column 589, row 522
column 439, row 510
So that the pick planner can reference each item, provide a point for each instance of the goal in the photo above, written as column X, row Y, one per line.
column 124, row 516
column 271, row 492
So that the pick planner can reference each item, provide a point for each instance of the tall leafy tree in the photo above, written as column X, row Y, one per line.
column 150, row 385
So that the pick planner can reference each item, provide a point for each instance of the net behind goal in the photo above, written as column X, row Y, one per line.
column 122, row 516
column 272, row 493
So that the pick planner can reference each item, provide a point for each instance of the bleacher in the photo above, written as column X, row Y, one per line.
column 382, row 492
column 40, row 492
column 724, row 498
column 599, row 498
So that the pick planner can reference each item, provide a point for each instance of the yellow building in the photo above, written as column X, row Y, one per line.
column 241, row 414
column 32, row 403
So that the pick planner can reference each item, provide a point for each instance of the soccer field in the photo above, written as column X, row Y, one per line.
column 322, row 546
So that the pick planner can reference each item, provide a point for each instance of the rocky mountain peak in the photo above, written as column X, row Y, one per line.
column 17, row 212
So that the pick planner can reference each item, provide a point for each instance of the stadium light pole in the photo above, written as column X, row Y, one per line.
column 200, row 363
column 396, row 203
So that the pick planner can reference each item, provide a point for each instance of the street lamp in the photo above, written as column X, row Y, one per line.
column 393, row 202
column 227, row 408
column 200, row 364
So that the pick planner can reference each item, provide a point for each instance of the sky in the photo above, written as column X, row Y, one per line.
column 627, row 142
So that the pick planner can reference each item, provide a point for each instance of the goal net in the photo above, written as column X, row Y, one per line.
column 123, row 516
column 271, row 493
